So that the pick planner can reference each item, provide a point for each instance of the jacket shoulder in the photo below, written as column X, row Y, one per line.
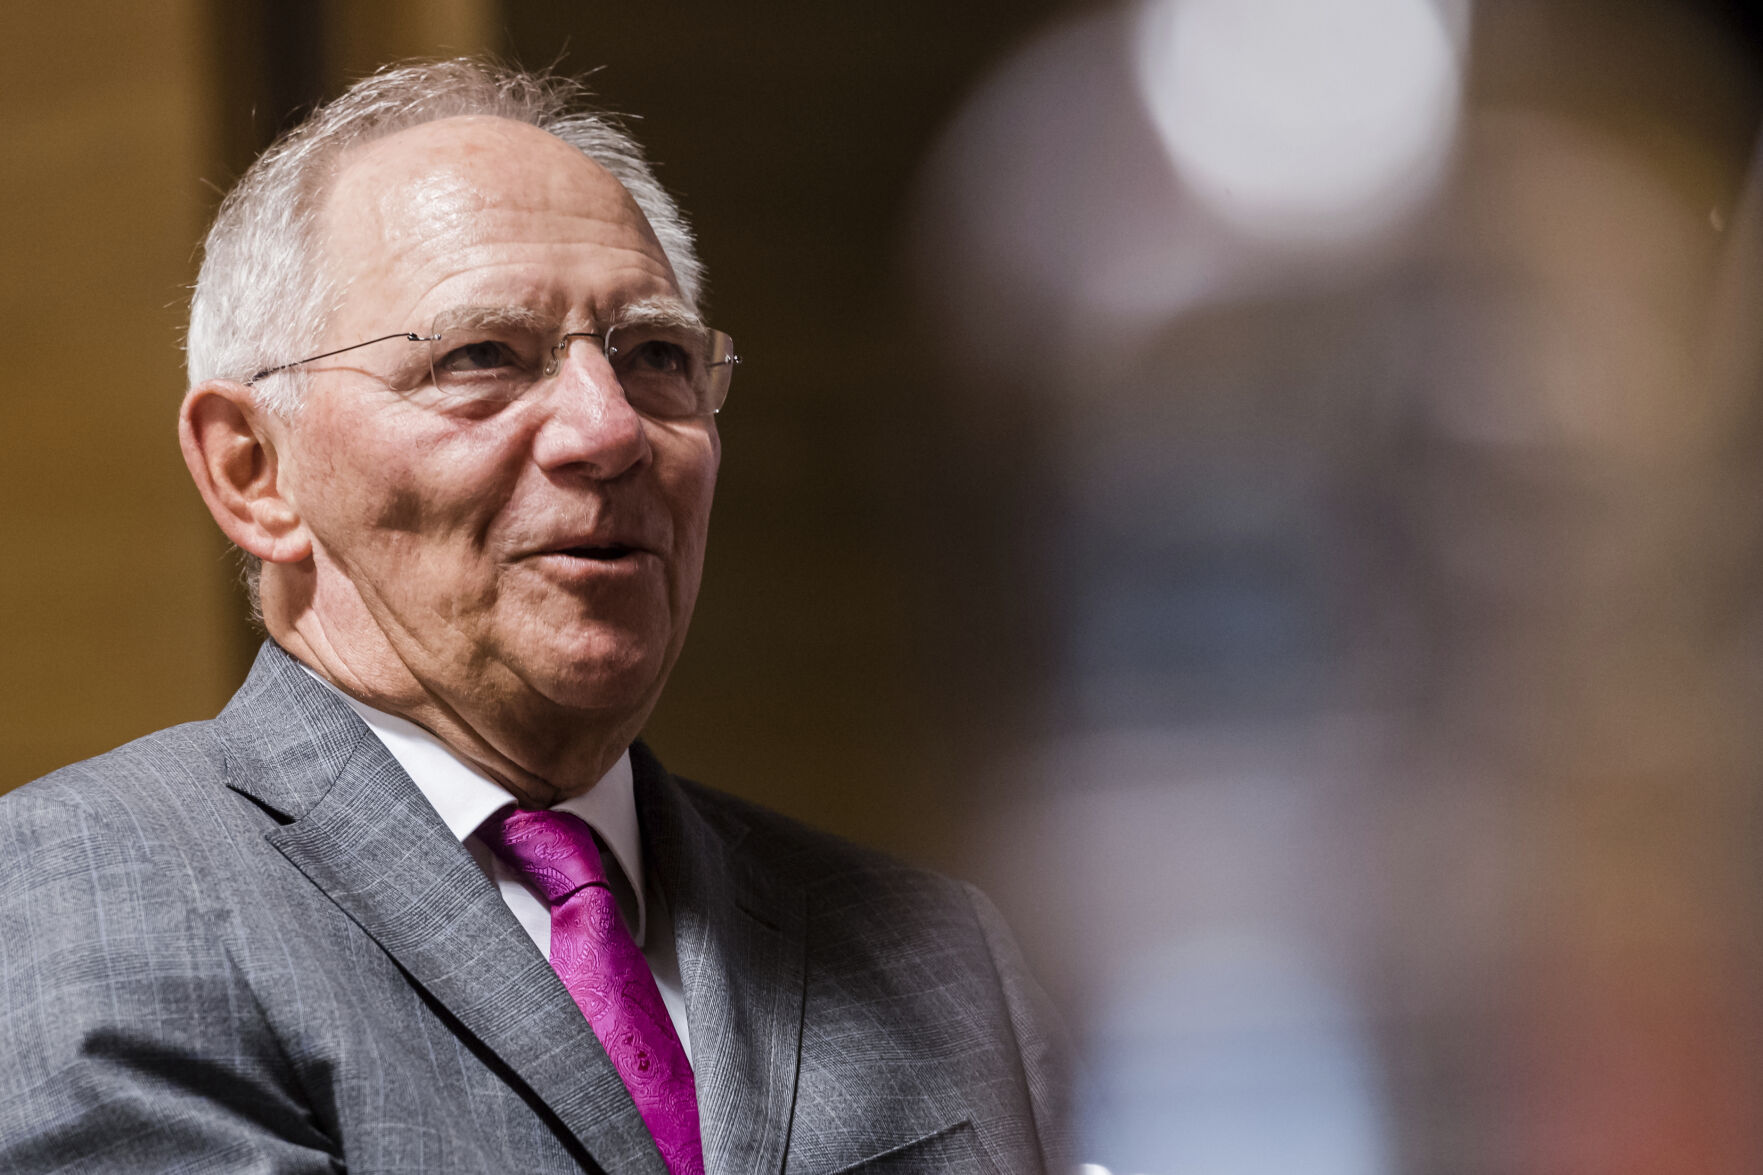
column 145, row 781
column 122, row 815
column 936, row 953
column 127, row 1016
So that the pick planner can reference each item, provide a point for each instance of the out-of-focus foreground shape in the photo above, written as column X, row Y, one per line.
column 1355, row 410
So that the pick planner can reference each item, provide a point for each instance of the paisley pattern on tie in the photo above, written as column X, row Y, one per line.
column 599, row 963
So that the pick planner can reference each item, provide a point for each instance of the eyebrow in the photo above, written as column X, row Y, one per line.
column 476, row 317
column 662, row 310
column 658, row 311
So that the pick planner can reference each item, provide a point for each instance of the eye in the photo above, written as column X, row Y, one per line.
column 477, row 356
column 653, row 356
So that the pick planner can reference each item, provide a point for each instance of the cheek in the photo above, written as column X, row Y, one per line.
column 690, row 494
column 375, row 488
column 402, row 510
column 361, row 493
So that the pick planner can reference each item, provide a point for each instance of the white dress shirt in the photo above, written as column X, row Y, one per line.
column 465, row 797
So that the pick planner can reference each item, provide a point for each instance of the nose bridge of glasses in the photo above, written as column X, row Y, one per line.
column 559, row 350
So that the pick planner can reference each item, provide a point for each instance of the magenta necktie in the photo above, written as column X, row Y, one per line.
column 600, row 964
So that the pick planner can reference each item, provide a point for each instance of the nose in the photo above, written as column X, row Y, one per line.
column 588, row 425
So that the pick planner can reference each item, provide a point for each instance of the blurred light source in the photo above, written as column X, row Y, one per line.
column 1302, row 120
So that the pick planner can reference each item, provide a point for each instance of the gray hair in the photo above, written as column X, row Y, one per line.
column 263, row 296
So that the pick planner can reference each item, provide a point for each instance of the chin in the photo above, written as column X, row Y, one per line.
column 596, row 681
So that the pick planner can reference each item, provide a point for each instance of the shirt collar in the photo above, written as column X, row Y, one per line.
column 465, row 796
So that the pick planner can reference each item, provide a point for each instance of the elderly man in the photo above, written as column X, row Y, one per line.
column 416, row 900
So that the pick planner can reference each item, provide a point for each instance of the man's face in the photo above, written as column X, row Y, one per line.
column 539, row 557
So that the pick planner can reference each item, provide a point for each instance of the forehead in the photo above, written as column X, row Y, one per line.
column 467, row 209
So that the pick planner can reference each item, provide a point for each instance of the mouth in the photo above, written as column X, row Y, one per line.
column 600, row 554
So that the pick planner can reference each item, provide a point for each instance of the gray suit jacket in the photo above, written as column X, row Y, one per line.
column 250, row 944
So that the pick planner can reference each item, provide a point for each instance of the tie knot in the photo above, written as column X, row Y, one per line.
column 555, row 851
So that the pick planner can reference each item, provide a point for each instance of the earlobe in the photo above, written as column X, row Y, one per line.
column 234, row 460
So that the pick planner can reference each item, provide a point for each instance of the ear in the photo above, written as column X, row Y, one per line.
column 232, row 454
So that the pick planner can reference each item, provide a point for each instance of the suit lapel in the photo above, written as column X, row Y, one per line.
column 742, row 949
column 361, row 832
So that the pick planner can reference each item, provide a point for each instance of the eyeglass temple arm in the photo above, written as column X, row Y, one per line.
column 403, row 334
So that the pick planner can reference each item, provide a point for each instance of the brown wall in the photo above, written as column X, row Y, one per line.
column 115, row 589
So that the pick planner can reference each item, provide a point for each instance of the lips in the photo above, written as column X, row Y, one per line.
column 601, row 552
column 598, row 544
column 606, row 539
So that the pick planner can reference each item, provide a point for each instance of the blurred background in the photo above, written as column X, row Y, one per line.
column 1270, row 488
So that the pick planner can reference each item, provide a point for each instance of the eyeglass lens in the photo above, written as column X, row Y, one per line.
column 664, row 370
